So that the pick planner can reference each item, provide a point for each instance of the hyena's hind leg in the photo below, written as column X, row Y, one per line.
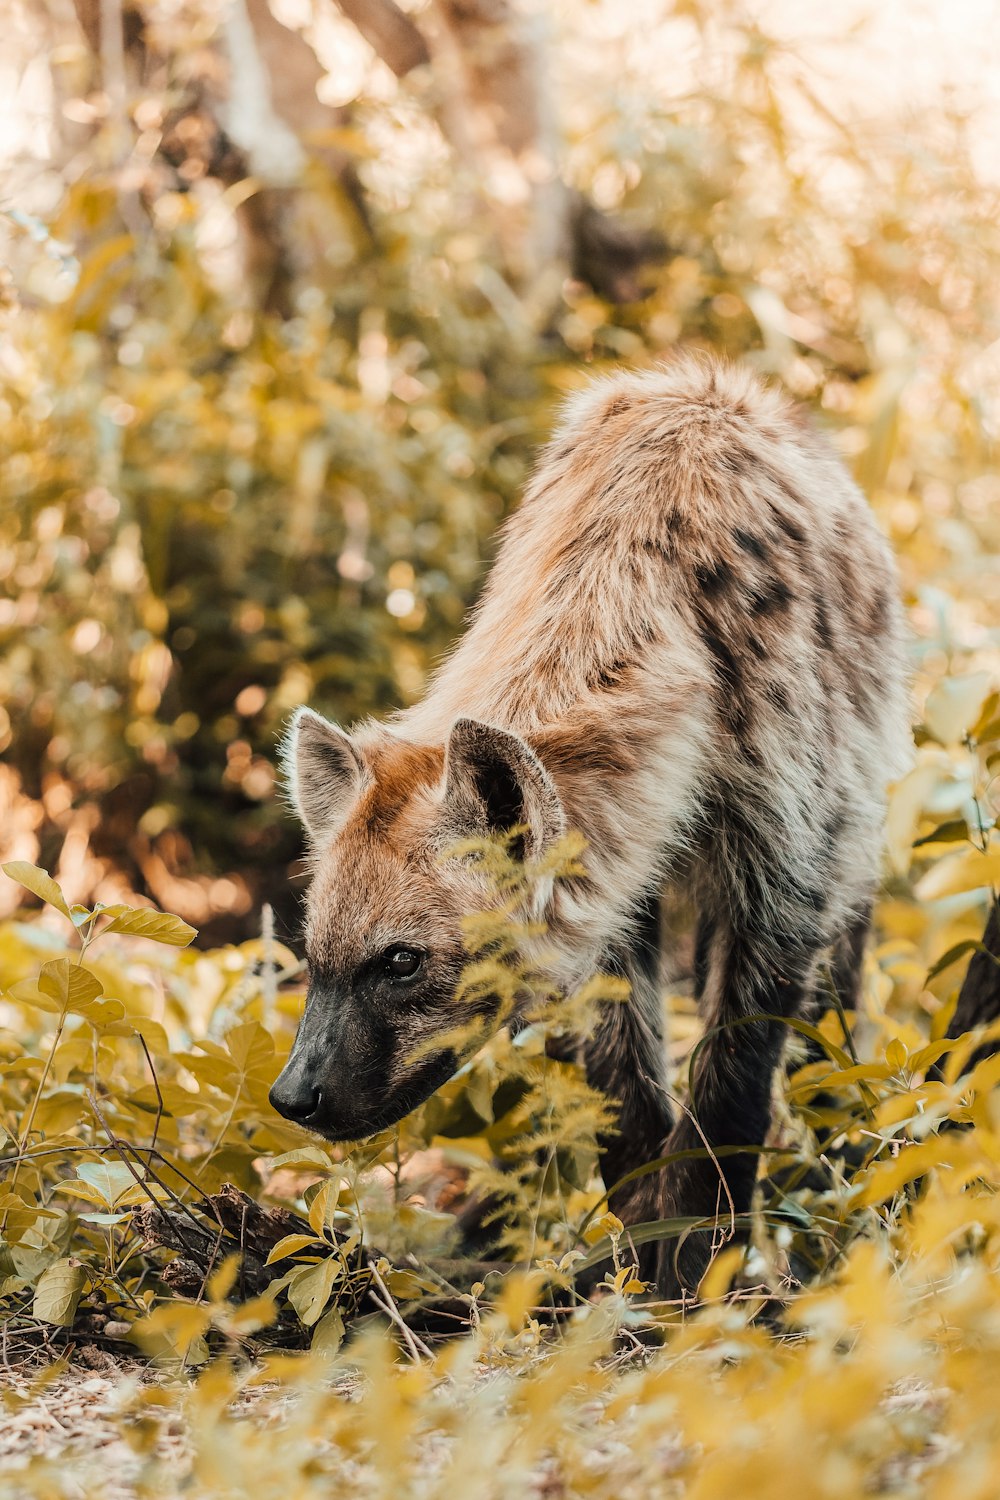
column 847, row 959
column 837, row 984
column 762, row 935
column 625, row 1059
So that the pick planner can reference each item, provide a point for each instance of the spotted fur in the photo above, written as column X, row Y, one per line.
column 690, row 649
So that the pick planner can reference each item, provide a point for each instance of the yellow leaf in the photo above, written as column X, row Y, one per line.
column 161, row 927
column 953, row 706
column 718, row 1278
column 608, row 1224
column 519, row 1297
column 310, row 1293
column 223, row 1278
column 303, row 1156
column 969, row 870
column 176, row 1324
column 884, row 1179
column 109, row 1178
column 323, row 1206
column 895, row 1055
column 906, row 804
column 57, row 1293
column 289, row 1245
column 252, row 1315
column 38, row 883
column 328, row 1335
column 68, row 985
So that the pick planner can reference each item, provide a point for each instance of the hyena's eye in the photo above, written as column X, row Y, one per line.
column 402, row 963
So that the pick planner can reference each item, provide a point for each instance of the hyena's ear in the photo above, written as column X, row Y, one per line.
column 493, row 780
column 324, row 772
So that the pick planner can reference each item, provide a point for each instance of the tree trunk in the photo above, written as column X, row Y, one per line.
column 495, row 108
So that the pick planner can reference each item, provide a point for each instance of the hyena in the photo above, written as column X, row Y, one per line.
column 690, row 650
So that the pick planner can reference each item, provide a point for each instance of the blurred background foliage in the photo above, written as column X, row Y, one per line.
column 275, row 362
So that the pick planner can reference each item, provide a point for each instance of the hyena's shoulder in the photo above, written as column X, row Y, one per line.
column 702, row 463
column 710, row 485
column 694, row 440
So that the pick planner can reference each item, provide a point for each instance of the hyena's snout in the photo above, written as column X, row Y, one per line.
column 338, row 1078
column 353, row 1071
column 307, row 1089
column 295, row 1095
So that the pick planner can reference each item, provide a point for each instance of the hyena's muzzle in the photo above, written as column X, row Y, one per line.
column 354, row 1070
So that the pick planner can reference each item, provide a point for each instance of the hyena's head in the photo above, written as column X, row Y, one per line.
column 384, row 911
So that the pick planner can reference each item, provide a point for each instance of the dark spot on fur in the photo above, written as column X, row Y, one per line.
column 658, row 549
column 770, row 597
column 821, row 622
column 833, row 829
column 726, row 665
column 776, row 694
column 610, row 675
column 617, row 407
column 713, row 578
column 752, row 544
column 814, row 898
column 878, row 613
column 792, row 529
column 733, row 702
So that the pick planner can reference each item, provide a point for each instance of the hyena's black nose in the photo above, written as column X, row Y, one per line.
column 295, row 1099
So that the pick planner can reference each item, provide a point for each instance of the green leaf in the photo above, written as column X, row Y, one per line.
column 57, row 1293
column 161, row 927
column 38, row 883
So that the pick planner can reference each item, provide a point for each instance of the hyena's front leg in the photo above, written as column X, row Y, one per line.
column 626, row 1059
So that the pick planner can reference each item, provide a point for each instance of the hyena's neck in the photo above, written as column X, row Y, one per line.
column 629, row 782
column 613, row 699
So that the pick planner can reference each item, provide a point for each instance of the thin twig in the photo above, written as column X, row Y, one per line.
column 156, row 1086
column 416, row 1347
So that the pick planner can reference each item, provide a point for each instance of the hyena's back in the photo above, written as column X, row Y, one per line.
column 693, row 616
